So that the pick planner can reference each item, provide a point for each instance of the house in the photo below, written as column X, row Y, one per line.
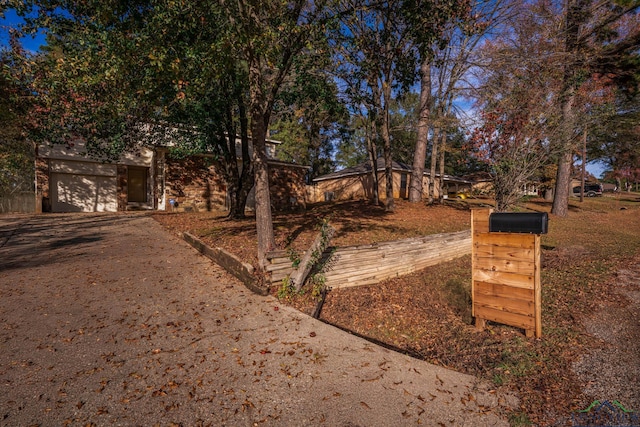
column 356, row 183
column 482, row 182
column 148, row 178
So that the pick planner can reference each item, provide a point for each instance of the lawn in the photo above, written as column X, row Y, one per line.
column 428, row 314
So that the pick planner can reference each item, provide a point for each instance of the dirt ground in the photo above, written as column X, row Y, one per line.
column 427, row 314
column 612, row 369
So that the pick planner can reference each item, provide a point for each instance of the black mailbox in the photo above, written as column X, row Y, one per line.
column 519, row 222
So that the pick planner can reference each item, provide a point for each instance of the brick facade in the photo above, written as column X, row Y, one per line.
column 288, row 190
column 194, row 184
column 122, row 187
column 43, row 201
column 197, row 184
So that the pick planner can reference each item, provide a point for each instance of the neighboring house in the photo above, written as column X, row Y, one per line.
column 357, row 183
column 149, row 178
column 482, row 182
column 483, row 185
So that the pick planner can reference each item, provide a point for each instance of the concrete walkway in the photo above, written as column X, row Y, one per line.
column 110, row 320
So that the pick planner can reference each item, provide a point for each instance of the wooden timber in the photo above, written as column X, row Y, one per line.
column 369, row 264
column 505, row 284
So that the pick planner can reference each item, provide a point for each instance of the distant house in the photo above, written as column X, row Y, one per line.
column 356, row 183
column 149, row 178
column 482, row 182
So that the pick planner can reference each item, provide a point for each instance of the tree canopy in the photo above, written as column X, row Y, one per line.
column 338, row 82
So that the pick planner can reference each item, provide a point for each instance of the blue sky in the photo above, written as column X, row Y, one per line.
column 11, row 20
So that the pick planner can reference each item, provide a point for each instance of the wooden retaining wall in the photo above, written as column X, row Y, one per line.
column 369, row 264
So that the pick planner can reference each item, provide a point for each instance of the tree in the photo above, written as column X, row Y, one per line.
column 308, row 116
column 591, row 38
column 427, row 21
column 569, row 45
column 270, row 35
column 16, row 151
column 519, row 115
column 376, row 49
column 111, row 65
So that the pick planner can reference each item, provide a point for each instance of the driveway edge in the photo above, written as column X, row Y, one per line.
column 231, row 263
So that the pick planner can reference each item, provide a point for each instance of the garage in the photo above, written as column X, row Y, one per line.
column 83, row 187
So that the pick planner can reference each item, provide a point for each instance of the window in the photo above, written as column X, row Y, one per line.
column 137, row 185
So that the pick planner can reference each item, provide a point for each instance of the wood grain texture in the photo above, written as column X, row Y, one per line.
column 505, row 284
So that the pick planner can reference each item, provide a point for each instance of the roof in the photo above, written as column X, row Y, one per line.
column 365, row 168
column 362, row 169
column 289, row 164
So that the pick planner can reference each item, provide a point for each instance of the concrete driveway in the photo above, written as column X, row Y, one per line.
column 106, row 319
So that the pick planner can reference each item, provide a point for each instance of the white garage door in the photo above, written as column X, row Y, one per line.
column 83, row 193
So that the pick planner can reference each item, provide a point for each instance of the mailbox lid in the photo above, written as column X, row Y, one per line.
column 519, row 222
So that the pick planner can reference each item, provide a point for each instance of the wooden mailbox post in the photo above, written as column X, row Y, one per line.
column 506, row 274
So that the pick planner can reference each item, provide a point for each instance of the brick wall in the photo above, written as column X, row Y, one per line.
column 43, row 201
column 195, row 184
column 122, row 187
column 288, row 190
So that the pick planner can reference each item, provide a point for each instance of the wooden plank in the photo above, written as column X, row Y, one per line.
column 538, row 289
column 400, row 250
column 505, row 265
column 511, row 240
column 394, row 261
column 431, row 239
column 479, row 224
column 504, row 252
column 512, row 319
column 278, row 267
column 511, row 279
column 352, row 276
column 277, row 277
column 381, row 273
column 508, row 305
column 505, row 291
column 480, row 220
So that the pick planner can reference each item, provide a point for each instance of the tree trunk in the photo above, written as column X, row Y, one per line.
column 264, row 221
column 443, row 148
column 311, row 257
column 432, row 170
column 247, row 177
column 388, row 160
column 259, row 122
column 420, row 154
column 373, row 163
column 560, row 204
